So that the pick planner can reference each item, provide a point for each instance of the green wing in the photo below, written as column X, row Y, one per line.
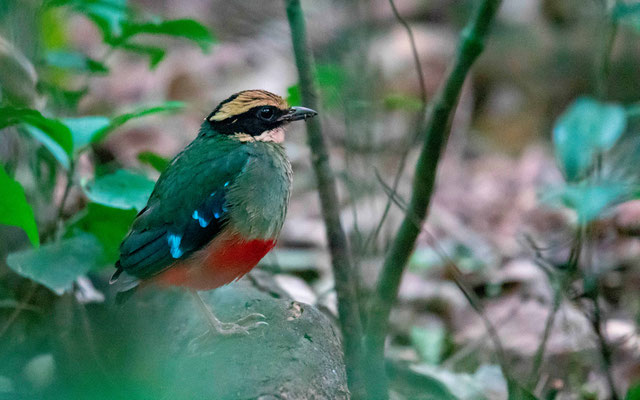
column 187, row 208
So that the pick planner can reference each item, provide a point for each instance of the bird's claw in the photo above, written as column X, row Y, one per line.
column 241, row 326
column 247, row 318
column 226, row 329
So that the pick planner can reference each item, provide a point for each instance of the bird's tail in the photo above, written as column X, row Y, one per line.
column 124, row 284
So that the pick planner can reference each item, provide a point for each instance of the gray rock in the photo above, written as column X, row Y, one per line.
column 147, row 346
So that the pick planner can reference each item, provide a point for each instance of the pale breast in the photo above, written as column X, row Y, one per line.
column 259, row 197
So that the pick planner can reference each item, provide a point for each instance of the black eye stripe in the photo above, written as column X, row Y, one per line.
column 250, row 122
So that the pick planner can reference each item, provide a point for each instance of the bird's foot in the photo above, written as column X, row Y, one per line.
column 241, row 326
column 220, row 329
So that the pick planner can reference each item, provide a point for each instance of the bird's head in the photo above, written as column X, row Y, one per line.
column 254, row 115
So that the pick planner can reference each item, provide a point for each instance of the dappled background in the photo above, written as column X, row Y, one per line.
column 129, row 84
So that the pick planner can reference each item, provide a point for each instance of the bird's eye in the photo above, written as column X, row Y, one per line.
column 266, row 113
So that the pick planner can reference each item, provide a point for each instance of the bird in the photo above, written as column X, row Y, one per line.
column 219, row 206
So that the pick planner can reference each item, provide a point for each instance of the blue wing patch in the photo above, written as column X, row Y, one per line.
column 213, row 208
column 171, row 227
column 201, row 219
column 174, row 245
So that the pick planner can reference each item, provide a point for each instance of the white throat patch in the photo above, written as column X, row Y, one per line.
column 275, row 135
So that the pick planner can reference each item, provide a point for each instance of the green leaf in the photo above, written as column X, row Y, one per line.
column 116, row 122
column 169, row 106
column 18, row 78
column 60, row 95
column 122, row 189
column 155, row 54
column 58, row 265
column 517, row 392
column 399, row 101
column 116, row 22
column 55, row 130
column 109, row 225
column 331, row 78
column 589, row 200
column 487, row 382
column 108, row 15
column 85, row 129
column 627, row 13
column 54, row 148
column 429, row 343
column 154, row 160
column 634, row 392
column 184, row 28
column 75, row 61
column 93, row 129
column 293, row 95
column 586, row 129
column 623, row 10
column 15, row 209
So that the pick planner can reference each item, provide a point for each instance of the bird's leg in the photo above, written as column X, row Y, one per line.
column 241, row 326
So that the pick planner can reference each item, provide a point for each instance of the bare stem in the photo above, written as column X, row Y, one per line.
column 459, row 279
column 417, row 126
column 542, row 347
column 604, row 60
column 65, row 196
column 24, row 304
column 348, row 308
column 414, row 51
column 605, row 350
column 437, row 131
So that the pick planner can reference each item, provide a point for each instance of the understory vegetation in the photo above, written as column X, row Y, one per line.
column 465, row 217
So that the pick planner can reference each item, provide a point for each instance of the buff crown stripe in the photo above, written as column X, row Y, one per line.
column 246, row 101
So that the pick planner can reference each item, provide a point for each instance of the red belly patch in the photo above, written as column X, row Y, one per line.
column 227, row 258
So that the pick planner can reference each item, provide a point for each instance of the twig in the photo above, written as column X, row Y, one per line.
column 19, row 308
column 459, row 280
column 542, row 347
column 349, row 314
column 604, row 61
column 565, row 280
column 437, row 130
column 91, row 344
column 65, row 196
column 414, row 51
column 605, row 350
column 417, row 125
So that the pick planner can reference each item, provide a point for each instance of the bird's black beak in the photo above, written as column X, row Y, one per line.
column 298, row 113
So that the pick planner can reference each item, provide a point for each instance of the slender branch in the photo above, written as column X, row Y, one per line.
column 65, row 196
column 23, row 305
column 564, row 281
column 417, row 126
column 603, row 64
column 542, row 347
column 437, row 129
column 605, row 350
column 459, row 280
column 349, row 314
column 414, row 51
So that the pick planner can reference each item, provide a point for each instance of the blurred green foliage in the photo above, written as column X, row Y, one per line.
column 39, row 108
column 587, row 129
column 21, row 214
column 90, row 239
column 57, row 265
column 120, row 25
column 585, row 136
column 582, row 136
